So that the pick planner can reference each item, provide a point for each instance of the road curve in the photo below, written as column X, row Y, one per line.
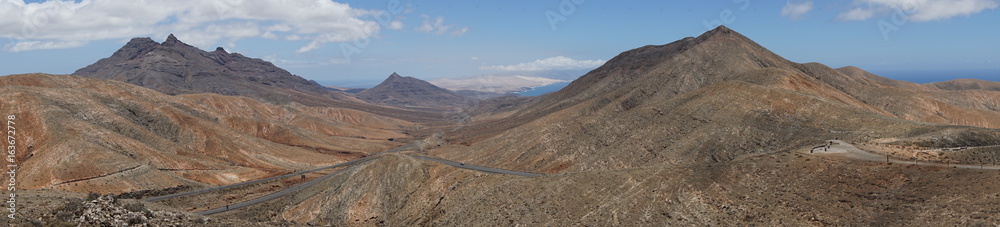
column 281, row 193
column 158, row 198
column 847, row 150
column 359, row 161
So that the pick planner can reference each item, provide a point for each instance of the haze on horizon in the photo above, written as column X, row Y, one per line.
column 361, row 42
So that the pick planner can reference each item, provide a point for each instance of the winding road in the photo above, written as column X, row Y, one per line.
column 849, row 151
column 299, row 187
column 462, row 123
column 310, row 183
column 158, row 198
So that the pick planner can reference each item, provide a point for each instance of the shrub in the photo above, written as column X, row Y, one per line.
column 135, row 207
column 92, row 196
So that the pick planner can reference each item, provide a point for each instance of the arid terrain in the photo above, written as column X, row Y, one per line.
column 713, row 130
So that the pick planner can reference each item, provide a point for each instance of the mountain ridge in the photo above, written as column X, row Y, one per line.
column 174, row 67
column 646, row 106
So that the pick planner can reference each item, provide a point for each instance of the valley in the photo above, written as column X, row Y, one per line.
column 712, row 130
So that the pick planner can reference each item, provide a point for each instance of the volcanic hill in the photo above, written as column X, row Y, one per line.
column 173, row 67
column 712, row 98
column 411, row 92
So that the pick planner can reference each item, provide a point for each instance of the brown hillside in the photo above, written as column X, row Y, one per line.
column 712, row 98
column 770, row 190
column 90, row 135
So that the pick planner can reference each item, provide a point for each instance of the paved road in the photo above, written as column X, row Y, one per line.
column 847, row 150
column 359, row 161
column 478, row 168
column 158, row 198
column 465, row 121
column 280, row 193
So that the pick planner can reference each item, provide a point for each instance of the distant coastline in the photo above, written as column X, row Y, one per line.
column 541, row 90
column 931, row 76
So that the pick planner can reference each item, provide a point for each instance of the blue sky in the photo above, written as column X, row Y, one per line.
column 361, row 42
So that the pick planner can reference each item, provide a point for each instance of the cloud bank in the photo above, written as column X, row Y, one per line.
column 65, row 24
column 437, row 26
column 795, row 11
column 917, row 10
column 553, row 63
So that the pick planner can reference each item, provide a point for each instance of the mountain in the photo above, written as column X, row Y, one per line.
column 176, row 68
column 173, row 67
column 713, row 98
column 412, row 93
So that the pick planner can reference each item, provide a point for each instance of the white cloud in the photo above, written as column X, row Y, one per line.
column 202, row 23
column 795, row 11
column 856, row 14
column 918, row 10
column 39, row 45
column 396, row 25
column 437, row 26
column 553, row 63
column 460, row 31
column 269, row 35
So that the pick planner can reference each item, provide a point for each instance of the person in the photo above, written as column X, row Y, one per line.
column 227, row 206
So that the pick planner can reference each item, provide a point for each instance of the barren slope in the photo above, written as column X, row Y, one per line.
column 755, row 191
column 83, row 135
column 711, row 98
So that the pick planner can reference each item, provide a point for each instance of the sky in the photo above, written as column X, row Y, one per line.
column 361, row 42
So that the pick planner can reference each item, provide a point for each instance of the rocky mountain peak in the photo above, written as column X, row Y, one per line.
column 173, row 67
column 724, row 33
column 171, row 39
column 141, row 41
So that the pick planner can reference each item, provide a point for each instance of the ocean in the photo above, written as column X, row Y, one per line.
column 931, row 76
column 536, row 91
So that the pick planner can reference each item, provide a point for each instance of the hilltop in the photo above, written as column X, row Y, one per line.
column 174, row 67
column 411, row 92
column 713, row 98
